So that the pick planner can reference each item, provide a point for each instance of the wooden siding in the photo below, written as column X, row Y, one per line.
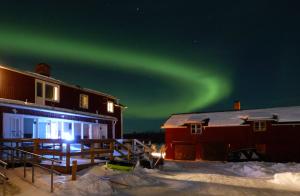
column 16, row 86
column 280, row 142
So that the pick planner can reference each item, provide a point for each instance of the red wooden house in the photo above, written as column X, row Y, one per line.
column 261, row 134
column 35, row 105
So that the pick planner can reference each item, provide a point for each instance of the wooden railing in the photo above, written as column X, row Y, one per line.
column 3, row 177
column 18, row 155
column 91, row 149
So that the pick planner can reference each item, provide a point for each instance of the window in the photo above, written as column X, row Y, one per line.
column 39, row 89
column 46, row 91
column 84, row 101
column 196, row 128
column 260, row 125
column 110, row 106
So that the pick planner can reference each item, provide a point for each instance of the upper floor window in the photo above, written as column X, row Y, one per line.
column 46, row 91
column 196, row 128
column 51, row 92
column 260, row 125
column 110, row 106
column 84, row 101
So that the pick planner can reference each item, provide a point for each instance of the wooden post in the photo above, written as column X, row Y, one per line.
column 61, row 149
column 92, row 153
column 82, row 149
column 129, row 153
column 74, row 169
column 17, row 152
column 68, row 158
column 112, row 148
column 36, row 148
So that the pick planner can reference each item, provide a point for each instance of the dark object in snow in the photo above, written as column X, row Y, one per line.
column 146, row 163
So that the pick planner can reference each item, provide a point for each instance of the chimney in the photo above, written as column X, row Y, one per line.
column 43, row 69
column 237, row 105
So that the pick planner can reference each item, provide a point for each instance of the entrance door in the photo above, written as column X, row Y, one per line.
column 103, row 131
column 96, row 131
column 16, row 127
column 43, row 129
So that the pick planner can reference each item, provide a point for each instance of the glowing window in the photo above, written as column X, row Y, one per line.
column 51, row 92
column 110, row 106
column 196, row 128
column 84, row 101
column 260, row 125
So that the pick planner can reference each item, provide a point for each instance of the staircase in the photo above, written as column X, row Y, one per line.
column 135, row 151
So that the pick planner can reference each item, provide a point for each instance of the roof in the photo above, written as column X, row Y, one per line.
column 228, row 118
column 50, row 79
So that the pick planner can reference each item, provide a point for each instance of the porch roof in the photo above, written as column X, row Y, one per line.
column 57, row 110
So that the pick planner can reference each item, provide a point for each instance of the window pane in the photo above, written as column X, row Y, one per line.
column 49, row 91
column 39, row 89
column 84, row 101
column 110, row 106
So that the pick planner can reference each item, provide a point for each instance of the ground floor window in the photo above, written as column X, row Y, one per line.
column 26, row 126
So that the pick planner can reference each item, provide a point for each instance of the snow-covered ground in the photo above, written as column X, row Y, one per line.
column 175, row 178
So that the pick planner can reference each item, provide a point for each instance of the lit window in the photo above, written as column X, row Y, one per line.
column 196, row 129
column 51, row 92
column 260, row 125
column 84, row 101
column 47, row 91
column 110, row 106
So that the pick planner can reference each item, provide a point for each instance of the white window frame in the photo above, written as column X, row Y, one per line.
column 110, row 106
column 56, row 88
column 81, row 98
column 196, row 129
column 262, row 125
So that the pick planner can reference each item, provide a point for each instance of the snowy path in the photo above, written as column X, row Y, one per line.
column 176, row 178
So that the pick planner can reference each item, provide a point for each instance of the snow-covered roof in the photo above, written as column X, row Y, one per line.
column 284, row 114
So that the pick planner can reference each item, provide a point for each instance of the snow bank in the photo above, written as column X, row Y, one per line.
column 261, row 169
column 287, row 178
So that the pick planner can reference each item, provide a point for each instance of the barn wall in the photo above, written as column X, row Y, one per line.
column 279, row 142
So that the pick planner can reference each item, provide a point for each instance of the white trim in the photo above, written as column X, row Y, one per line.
column 56, row 110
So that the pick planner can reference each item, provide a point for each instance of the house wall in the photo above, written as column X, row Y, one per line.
column 52, row 115
column 17, row 86
column 280, row 142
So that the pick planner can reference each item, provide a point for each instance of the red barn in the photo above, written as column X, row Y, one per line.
column 260, row 134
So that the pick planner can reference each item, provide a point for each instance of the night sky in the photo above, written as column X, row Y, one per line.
column 162, row 57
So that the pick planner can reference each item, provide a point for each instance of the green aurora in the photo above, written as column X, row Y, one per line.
column 202, row 86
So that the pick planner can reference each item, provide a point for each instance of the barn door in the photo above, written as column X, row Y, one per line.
column 185, row 152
